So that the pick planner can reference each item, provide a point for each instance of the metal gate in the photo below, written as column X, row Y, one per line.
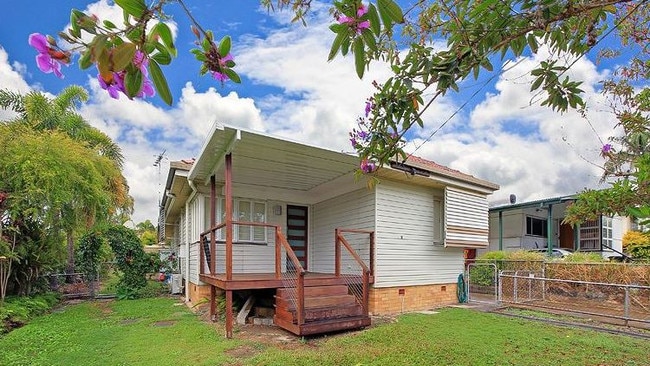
column 482, row 282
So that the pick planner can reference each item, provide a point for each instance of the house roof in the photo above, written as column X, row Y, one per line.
column 435, row 168
column 299, row 172
column 535, row 203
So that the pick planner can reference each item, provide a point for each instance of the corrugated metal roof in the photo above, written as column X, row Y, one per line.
column 544, row 201
column 433, row 167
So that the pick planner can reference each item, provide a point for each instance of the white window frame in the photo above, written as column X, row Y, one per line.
column 221, row 233
column 607, row 230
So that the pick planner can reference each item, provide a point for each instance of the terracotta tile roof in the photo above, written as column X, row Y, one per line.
column 184, row 164
column 433, row 167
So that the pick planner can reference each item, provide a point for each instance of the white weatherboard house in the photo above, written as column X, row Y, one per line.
column 260, row 213
column 538, row 224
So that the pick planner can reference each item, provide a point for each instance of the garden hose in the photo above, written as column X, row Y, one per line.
column 461, row 291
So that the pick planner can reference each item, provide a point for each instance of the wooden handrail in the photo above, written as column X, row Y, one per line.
column 300, row 306
column 354, row 254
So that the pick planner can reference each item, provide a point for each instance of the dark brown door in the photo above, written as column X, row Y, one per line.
column 297, row 233
column 566, row 236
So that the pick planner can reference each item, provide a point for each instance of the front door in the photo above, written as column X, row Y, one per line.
column 297, row 233
column 566, row 236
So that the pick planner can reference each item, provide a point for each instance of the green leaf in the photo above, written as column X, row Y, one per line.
column 369, row 39
column 373, row 18
column 122, row 56
column 391, row 9
column 224, row 46
column 159, row 82
column 165, row 34
column 537, row 83
column 162, row 57
column 336, row 45
column 108, row 24
column 359, row 57
column 232, row 75
column 85, row 60
column 133, row 81
column 136, row 8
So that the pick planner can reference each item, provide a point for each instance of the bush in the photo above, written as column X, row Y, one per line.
column 16, row 311
column 637, row 245
column 584, row 257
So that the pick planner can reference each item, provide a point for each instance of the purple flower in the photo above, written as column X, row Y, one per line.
column 48, row 59
column 141, row 61
column 367, row 166
column 113, row 86
column 606, row 148
column 354, row 142
column 147, row 89
column 363, row 135
column 222, row 62
column 369, row 107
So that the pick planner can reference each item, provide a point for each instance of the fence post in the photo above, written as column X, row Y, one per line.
column 514, row 293
column 627, row 305
column 544, row 281
column 500, row 289
column 496, row 282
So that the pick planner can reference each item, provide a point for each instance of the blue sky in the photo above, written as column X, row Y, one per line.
column 290, row 90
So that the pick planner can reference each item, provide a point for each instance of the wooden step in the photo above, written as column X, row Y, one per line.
column 317, row 302
column 312, row 291
column 323, row 326
column 335, row 312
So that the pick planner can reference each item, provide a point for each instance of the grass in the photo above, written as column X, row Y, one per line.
column 158, row 332
column 136, row 332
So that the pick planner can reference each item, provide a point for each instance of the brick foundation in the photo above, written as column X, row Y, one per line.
column 395, row 300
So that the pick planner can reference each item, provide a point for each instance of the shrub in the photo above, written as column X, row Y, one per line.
column 16, row 311
column 637, row 245
column 584, row 257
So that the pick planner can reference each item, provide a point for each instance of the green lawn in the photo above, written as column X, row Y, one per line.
column 158, row 332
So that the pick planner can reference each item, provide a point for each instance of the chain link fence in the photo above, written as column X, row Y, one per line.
column 78, row 285
column 625, row 302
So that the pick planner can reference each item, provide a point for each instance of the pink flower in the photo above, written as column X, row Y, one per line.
column 355, row 23
column 48, row 59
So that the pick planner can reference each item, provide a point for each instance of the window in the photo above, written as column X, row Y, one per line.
column 246, row 211
column 607, row 231
column 536, row 227
column 590, row 235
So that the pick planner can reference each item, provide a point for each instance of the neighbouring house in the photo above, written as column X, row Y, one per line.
column 538, row 224
column 267, row 216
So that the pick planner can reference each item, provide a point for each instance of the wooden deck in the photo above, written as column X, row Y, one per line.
column 255, row 281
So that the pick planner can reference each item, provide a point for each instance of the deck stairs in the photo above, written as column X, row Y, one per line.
column 328, row 308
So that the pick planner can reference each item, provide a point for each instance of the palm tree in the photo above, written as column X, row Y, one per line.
column 40, row 113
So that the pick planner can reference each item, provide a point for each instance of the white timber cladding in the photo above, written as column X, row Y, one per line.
column 466, row 219
column 354, row 210
column 253, row 247
column 406, row 250
column 195, row 227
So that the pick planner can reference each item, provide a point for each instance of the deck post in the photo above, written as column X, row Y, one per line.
column 337, row 252
column 228, row 314
column 228, row 194
column 278, row 254
column 213, row 303
column 213, row 223
column 372, row 253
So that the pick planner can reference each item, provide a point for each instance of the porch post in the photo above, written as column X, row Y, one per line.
column 213, row 218
column 228, row 207
column 576, row 237
column 213, row 244
column 500, row 230
column 229, row 314
column 228, row 194
column 549, row 230
column 337, row 253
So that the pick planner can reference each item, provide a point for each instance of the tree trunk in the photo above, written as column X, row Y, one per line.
column 70, row 267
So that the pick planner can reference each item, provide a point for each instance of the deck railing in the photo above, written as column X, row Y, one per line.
column 292, row 273
column 349, row 266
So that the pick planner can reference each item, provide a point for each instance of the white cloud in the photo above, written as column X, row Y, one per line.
column 12, row 79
